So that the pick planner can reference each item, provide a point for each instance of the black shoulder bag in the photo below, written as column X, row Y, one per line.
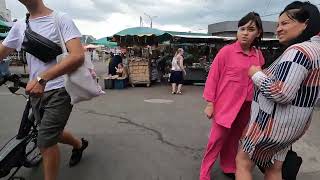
column 290, row 167
column 39, row 46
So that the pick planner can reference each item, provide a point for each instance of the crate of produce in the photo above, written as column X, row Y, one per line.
column 108, row 83
column 120, row 83
column 139, row 71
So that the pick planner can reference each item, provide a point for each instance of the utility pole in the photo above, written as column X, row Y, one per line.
column 141, row 21
column 150, row 17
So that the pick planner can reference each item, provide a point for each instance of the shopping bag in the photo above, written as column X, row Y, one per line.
column 80, row 84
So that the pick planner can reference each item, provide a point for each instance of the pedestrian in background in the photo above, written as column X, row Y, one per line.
column 177, row 72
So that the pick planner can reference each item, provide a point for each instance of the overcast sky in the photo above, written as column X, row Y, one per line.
column 102, row 18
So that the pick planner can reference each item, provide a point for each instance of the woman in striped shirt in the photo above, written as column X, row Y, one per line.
column 285, row 94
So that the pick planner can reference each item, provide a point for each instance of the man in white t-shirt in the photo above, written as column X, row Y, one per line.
column 49, row 99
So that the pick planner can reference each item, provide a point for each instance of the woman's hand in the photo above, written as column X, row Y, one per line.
column 254, row 69
column 209, row 110
column 184, row 72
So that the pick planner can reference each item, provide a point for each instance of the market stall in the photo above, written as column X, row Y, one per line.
column 138, row 36
column 141, row 47
column 139, row 71
column 200, row 50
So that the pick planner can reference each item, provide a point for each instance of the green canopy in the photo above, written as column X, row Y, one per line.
column 105, row 42
column 3, row 35
column 4, row 23
column 140, row 31
column 4, row 26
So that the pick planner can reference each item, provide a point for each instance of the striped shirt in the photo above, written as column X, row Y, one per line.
column 284, row 100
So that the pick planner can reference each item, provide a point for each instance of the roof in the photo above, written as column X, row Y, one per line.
column 232, row 26
column 209, row 39
column 3, row 35
column 175, row 33
column 105, row 42
column 140, row 31
column 5, row 26
column 175, row 36
column 234, row 38
column 207, row 36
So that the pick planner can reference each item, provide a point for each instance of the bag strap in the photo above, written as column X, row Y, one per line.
column 257, row 54
column 27, row 20
column 62, row 42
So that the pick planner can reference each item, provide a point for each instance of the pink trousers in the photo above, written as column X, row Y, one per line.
column 224, row 141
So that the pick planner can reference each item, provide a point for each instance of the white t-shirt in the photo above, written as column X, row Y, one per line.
column 175, row 65
column 46, row 27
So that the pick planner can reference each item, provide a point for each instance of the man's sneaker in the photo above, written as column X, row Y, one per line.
column 77, row 153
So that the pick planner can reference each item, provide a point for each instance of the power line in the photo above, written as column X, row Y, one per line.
column 272, row 14
column 267, row 7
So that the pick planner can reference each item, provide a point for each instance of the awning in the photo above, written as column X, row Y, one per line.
column 5, row 24
column 4, row 28
column 105, row 42
column 3, row 35
column 140, row 31
column 91, row 46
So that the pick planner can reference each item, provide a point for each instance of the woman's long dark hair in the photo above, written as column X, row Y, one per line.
column 255, row 18
column 304, row 12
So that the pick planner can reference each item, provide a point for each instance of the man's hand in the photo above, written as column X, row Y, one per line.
column 209, row 110
column 253, row 69
column 4, row 51
column 34, row 88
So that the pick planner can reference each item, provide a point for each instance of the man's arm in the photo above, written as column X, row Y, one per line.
column 5, row 51
column 69, row 64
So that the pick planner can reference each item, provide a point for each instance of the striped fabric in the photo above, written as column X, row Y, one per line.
column 284, row 100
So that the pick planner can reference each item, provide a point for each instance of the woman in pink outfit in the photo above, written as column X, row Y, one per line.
column 229, row 92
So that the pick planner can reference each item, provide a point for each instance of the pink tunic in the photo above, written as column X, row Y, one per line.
column 228, row 85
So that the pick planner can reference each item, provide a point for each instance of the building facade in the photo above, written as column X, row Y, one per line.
column 5, row 14
column 230, row 28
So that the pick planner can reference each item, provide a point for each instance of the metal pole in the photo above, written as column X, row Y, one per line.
column 151, row 18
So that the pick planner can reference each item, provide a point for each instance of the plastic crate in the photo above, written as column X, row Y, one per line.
column 108, row 83
column 120, row 83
